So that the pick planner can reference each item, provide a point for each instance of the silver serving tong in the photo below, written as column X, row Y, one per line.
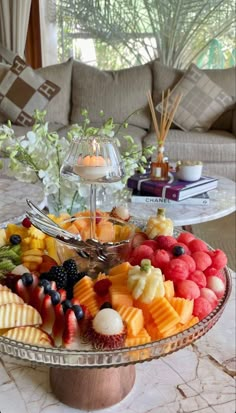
column 91, row 248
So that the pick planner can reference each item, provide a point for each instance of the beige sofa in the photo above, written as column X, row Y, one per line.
column 120, row 93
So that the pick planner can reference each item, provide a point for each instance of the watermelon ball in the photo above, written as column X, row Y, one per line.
column 219, row 259
column 190, row 261
column 159, row 259
column 210, row 296
column 139, row 253
column 199, row 278
column 185, row 237
column 202, row 260
column 187, row 289
column 151, row 243
column 165, row 242
column 197, row 245
column 201, row 307
column 176, row 270
column 210, row 271
column 216, row 284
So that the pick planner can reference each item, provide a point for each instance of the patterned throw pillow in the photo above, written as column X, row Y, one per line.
column 22, row 90
column 202, row 102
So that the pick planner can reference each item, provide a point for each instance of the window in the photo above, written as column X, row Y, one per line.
column 113, row 34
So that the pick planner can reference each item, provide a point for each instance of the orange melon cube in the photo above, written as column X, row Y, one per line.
column 119, row 278
column 163, row 314
column 153, row 331
column 120, row 268
column 194, row 320
column 169, row 289
column 105, row 231
column 133, row 318
column 84, row 292
column 141, row 338
column 145, row 309
column 119, row 298
column 72, row 228
column 184, row 308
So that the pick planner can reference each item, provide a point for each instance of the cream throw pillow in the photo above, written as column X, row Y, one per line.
column 22, row 90
column 203, row 101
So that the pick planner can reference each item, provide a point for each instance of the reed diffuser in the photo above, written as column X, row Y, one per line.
column 160, row 166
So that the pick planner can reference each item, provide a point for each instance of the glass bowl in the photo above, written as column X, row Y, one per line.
column 57, row 357
column 100, row 258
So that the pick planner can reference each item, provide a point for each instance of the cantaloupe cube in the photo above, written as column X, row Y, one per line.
column 133, row 318
column 120, row 279
column 72, row 228
column 84, row 292
column 184, row 308
column 145, row 309
column 119, row 298
column 153, row 331
column 194, row 320
column 169, row 289
column 105, row 231
column 120, row 268
column 163, row 314
column 141, row 338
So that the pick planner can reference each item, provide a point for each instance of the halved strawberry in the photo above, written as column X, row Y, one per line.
column 37, row 297
column 71, row 333
column 47, row 314
column 22, row 291
column 63, row 294
column 59, row 324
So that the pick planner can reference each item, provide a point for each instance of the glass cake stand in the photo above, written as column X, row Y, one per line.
column 91, row 379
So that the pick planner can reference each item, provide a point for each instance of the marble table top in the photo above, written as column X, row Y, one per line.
column 222, row 203
column 199, row 378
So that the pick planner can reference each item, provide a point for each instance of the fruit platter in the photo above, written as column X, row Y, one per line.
column 162, row 291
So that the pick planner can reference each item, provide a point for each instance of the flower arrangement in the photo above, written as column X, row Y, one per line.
column 38, row 156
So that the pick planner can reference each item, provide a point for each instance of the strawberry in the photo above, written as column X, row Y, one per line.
column 37, row 297
column 62, row 293
column 22, row 291
column 59, row 324
column 47, row 314
column 101, row 287
column 71, row 333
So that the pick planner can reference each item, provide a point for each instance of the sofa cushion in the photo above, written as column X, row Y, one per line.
column 211, row 146
column 202, row 102
column 117, row 93
column 165, row 78
column 22, row 91
column 3, row 71
column 58, row 108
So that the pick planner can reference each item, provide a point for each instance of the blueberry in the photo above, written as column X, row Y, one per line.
column 178, row 250
column 66, row 304
column 106, row 305
column 46, row 285
column 55, row 297
column 79, row 313
column 27, row 279
column 15, row 239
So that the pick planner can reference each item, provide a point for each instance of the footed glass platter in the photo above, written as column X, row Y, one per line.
column 92, row 379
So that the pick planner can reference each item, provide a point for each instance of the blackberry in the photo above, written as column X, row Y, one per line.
column 46, row 276
column 70, row 266
column 59, row 276
column 73, row 278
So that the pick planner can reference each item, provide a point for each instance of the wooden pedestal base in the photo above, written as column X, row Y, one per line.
column 91, row 389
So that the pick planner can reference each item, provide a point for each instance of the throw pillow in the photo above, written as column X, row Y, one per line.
column 58, row 109
column 22, row 91
column 203, row 101
column 118, row 93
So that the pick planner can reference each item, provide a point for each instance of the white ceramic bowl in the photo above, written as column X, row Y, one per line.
column 189, row 172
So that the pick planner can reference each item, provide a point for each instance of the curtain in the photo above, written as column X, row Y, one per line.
column 33, row 53
column 14, row 18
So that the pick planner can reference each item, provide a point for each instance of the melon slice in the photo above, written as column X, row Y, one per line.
column 17, row 315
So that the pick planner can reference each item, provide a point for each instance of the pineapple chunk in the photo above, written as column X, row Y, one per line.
column 3, row 237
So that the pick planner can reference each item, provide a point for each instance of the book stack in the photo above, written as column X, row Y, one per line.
column 146, row 190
